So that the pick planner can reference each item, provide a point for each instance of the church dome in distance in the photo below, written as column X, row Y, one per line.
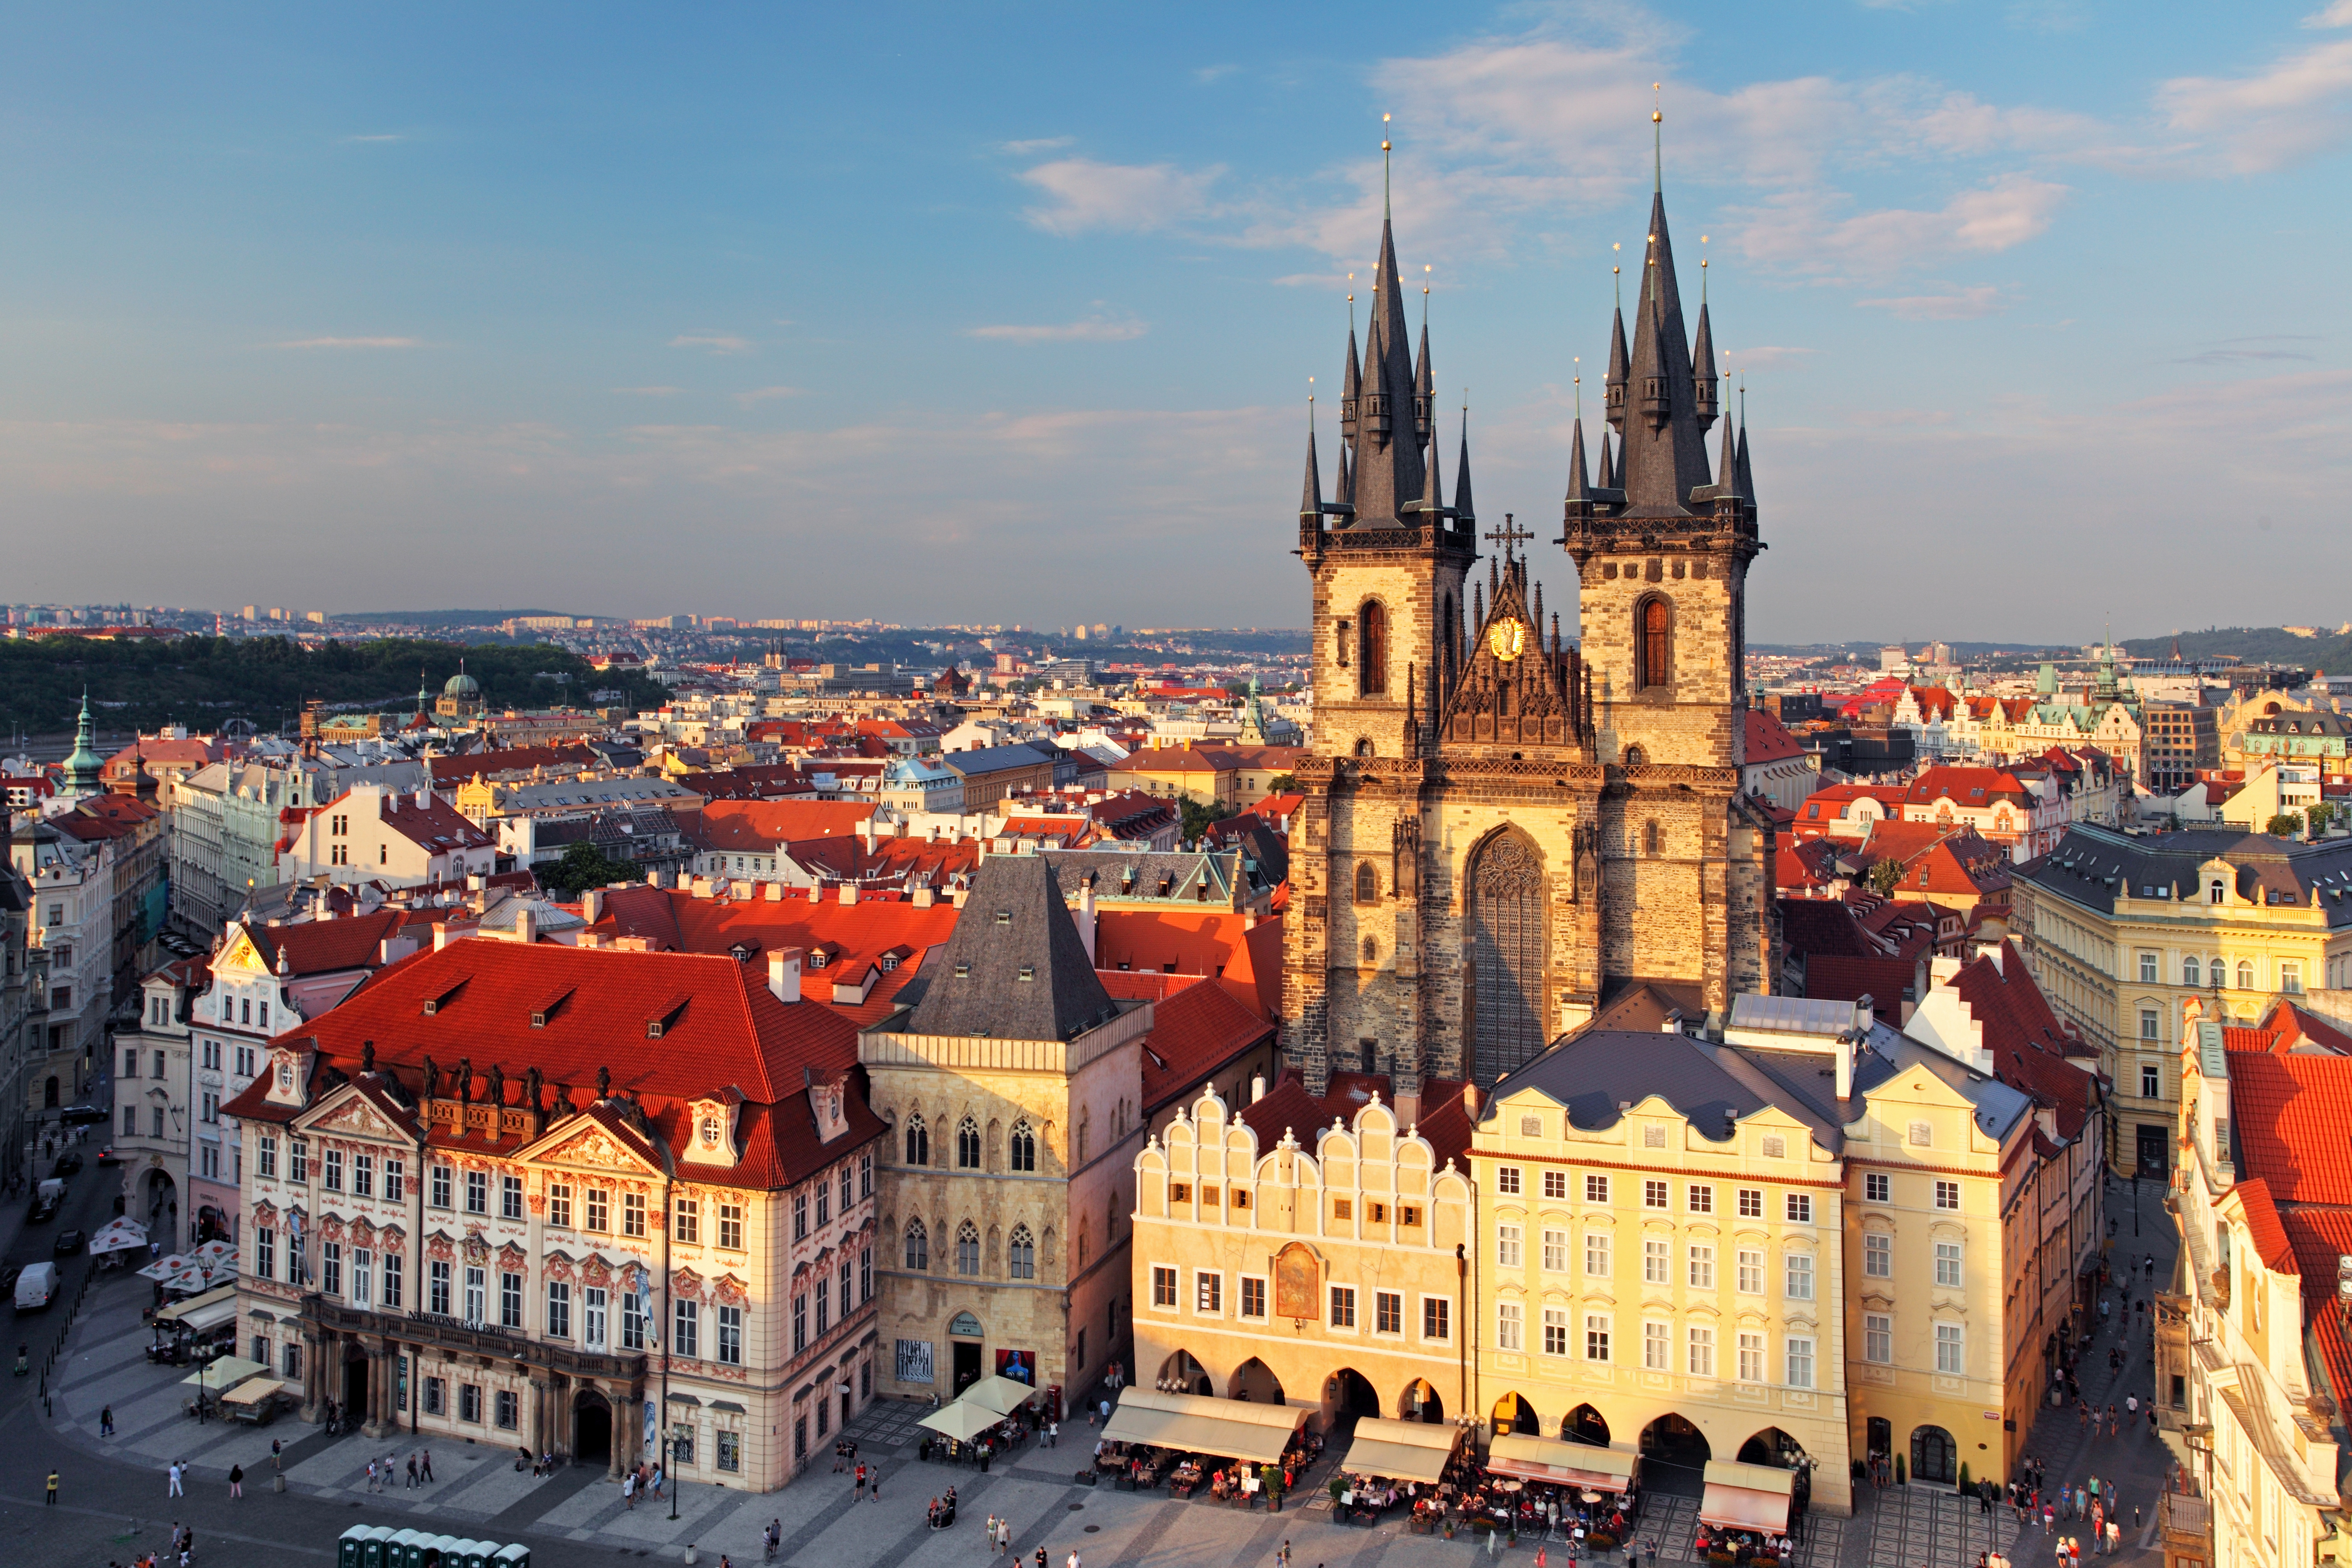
column 461, row 685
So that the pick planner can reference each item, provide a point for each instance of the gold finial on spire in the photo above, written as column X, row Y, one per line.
column 1578, row 362
column 1702, row 271
column 1657, row 141
column 1617, row 272
column 1384, row 165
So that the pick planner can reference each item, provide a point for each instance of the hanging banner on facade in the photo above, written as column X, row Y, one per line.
column 653, row 1430
column 915, row 1361
column 1021, row 1366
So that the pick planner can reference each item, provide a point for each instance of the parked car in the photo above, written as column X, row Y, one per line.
column 68, row 1164
column 36, row 1286
column 82, row 1116
column 69, row 1242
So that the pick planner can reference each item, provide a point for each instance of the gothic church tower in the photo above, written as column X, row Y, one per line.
column 1503, row 833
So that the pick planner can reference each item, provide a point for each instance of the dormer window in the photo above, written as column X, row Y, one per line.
column 711, row 1128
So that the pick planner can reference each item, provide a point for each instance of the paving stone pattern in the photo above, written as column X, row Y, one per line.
column 1933, row 1526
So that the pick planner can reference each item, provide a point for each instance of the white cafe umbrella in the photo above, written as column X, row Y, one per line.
column 118, row 1236
column 168, row 1268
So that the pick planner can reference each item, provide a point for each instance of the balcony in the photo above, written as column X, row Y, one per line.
column 447, row 1333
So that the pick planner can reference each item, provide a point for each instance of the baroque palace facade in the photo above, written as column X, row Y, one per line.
column 1502, row 830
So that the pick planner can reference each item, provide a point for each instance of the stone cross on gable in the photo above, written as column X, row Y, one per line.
column 1508, row 536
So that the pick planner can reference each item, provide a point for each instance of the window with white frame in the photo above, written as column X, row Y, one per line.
column 1598, row 1262
column 1555, row 1251
column 1878, row 1337
column 1343, row 1306
column 1799, row 1275
column 1509, row 1321
column 1506, row 1245
column 1877, row 1256
column 1801, row 1208
column 1699, row 1198
column 1655, row 1263
column 1436, row 1318
column 1947, row 1264
column 1596, row 1336
column 1751, row 1203
column 1654, row 1194
column 1751, row 1358
column 1948, row 1196
column 1253, row 1297
column 1555, row 1183
column 1750, row 1279
column 1658, row 1348
column 1596, row 1189
column 1506, row 1179
column 1877, row 1187
column 1555, row 1330
column 1801, row 1361
column 1702, row 1351
column 1950, row 1361
column 1164, row 1285
column 1701, row 1273
column 2151, row 1081
column 1209, row 1292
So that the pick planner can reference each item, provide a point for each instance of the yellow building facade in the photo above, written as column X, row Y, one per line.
column 1307, row 1250
column 2122, row 931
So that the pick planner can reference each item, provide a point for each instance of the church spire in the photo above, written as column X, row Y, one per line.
column 1703, row 376
column 1619, row 367
column 83, row 765
column 1664, row 459
column 1310, row 494
column 1746, row 479
column 1578, row 489
column 1390, row 465
column 1463, row 509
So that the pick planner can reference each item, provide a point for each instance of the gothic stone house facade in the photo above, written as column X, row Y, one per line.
column 653, row 1213
column 1500, row 830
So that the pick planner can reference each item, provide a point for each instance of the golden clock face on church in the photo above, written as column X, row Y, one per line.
column 1507, row 639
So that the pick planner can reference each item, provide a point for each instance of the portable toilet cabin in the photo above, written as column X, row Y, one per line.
column 470, row 1554
column 375, row 1547
column 515, row 1556
column 429, row 1550
column 351, row 1544
column 403, row 1551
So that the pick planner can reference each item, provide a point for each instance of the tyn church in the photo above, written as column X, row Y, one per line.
column 1504, row 832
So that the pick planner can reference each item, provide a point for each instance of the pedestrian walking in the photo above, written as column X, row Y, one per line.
column 427, row 1468
column 861, row 1480
column 371, row 1474
column 237, row 1480
column 2115, row 1535
column 173, row 1472
column 53, row 1486
column 106, row 1422
column 1282, row 1557
column 874, row 1485
column 629, row 1492
column 991, row 1528
column 412, row 1472
column 2111, row 1421
column 275, row 1450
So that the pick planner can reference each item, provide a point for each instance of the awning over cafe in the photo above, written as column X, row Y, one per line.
column 1549, row 1459
column 961, row 1421
column 1228, row 1428
column 1002, row 1394
column 1746, row 1497
column 178, row 1310
column 254, row 1390
column 225, row 1373
column 1401, row 1450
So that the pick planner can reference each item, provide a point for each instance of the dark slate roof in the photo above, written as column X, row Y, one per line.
column 2092, row 866
column 2000, row 1106
column 984, row 760
column 1014, row 923
column 1592, row 1073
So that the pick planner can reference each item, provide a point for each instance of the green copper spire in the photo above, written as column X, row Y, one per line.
column 83, row 765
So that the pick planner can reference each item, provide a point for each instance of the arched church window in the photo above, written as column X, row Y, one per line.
column 1021, row 1254
column 1652, row 841
column 1368, row 883
column 1373, row 648
column 918, row 1142
column 968, row 1144
column 1636, row 757
column 1023, row 1147
column 2190, row 974
column 1372, row 950
column 919, row 1246
column 1654, row 644
column 967, row 1248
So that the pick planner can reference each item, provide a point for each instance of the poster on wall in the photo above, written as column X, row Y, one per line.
column 1295, row 1277
column 915, row 1361
column 1021, row 1366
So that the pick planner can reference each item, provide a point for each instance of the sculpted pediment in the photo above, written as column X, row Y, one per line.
column 595, row 1147
column 351, row 1114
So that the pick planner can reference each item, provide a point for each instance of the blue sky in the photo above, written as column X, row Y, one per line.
column 1008, row 313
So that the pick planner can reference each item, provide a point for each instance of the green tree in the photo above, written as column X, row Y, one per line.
column 1282, row 783
column 1194, row 819
column 2321, row 817
column 2285, row 825
column 583, row 867
column 1883, row 876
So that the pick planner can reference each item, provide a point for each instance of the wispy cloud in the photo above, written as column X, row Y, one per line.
column 1952, row 305
column 1093, row 330
column 1034, row 145
column 381, row 137
column 348, row 343
column 2235, row 351
column 1131, row 198
column 2297, row 107
column 645, row 392
column 1799, row 230
column 1769, row 355
column 1208, row 76
column 768, row 394
column 2338, row 14
column 712, row 342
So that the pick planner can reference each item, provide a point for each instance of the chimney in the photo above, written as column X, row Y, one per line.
column 816, row 891
column 702, row 887
column 1846, row 1045
column 849, row 892
column 526, row 925
column 1673, row 1022
column 1257, row 1087
column 440, row 935
column 1087, row 914
column 784, row 973
column 924, row 897
column 424, row 797
column 1993, row 952
column 1943, row 970
column 592, row 905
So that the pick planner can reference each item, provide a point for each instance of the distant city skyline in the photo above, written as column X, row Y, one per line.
column 893, row 314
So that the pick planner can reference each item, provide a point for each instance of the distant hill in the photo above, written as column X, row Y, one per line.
column 2255, row 644
column 203, row 682
column 441, row 617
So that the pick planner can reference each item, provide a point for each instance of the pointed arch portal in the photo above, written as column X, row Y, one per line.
column 1507, row 955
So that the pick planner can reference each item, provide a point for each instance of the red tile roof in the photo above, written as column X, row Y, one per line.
column 1220, row 944
column 323, row 947
column 762, row 825
column 2289, row 1113
column 722, row 1030
column 1195, row 1033
column 1769, row 740
column 2028, row 1042
column 2262, row 1224
column 511, row 763
column 1287, row 1107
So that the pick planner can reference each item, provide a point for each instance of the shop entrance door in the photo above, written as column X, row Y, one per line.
column 967, row 1365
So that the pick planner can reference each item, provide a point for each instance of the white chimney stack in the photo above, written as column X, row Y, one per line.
column 1257, row 1087
column 592, row 905
column 1845, row 1048
column 424, row 796
column 526, row 926
column 784, row 973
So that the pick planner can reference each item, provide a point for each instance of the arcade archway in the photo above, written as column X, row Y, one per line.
column 1513, row 1413
column 1347, row 1392
column 1419, row 1402
column 1585, row 1425
column 1774, row 1447
column 1675, row 1454
column 592, row 1428
column 1934, row 1456
column 1180, row 1373
column 1254, row 1381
